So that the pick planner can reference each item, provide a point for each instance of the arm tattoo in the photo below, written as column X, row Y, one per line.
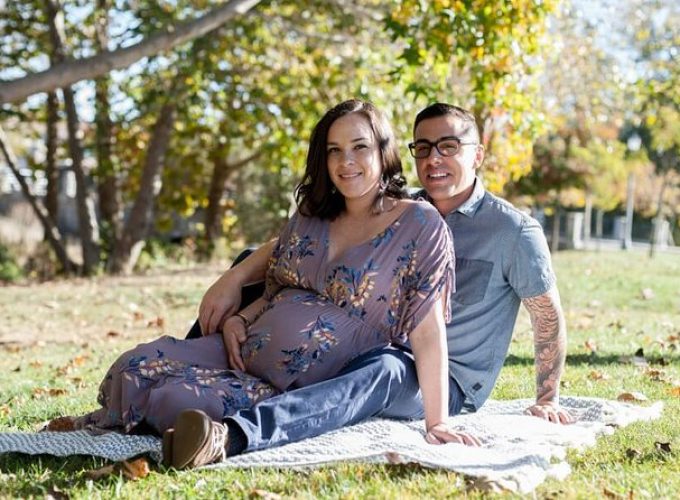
column 550, row 343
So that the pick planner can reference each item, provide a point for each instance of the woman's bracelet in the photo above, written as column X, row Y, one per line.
column 246, row 322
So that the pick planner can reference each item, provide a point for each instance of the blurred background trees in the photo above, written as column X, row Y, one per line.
column 203, row 142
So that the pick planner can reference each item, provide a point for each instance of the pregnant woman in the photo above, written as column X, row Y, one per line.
column 358, row 267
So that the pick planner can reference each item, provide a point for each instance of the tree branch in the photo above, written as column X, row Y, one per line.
column 71, row 71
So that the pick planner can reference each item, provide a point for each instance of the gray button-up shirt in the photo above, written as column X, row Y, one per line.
column 501, row 257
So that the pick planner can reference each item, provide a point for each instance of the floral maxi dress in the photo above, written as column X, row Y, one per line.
column 320, row 315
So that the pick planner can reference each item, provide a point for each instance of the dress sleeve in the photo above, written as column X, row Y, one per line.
column 429, row 274
column 272, row 282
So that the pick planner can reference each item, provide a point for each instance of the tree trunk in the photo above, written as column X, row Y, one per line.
column 110, row 201
column 587, row 217
column 215, row 210
column 627, row 242
column 51, row 169
column 599, row 223
column 72, row 71
column 555, row 239
column 87, row 222
column 51, row 232
column 656, row 221
column 138, row 224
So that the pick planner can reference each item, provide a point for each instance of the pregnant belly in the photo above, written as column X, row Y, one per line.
column 302, row 339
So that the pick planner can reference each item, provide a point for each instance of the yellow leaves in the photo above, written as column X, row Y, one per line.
column 39, row 392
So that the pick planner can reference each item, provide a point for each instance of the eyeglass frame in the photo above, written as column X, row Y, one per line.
column 412, row 145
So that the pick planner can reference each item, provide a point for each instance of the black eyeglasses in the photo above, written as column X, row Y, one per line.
column 446, row 146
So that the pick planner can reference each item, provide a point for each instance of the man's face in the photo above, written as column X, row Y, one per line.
column 448, row 180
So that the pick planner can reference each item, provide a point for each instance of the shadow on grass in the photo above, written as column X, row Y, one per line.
column 595, row 359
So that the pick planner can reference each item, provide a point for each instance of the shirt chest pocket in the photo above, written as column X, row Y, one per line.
column 472, row 280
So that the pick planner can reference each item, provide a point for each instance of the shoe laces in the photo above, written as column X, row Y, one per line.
column 219, row 436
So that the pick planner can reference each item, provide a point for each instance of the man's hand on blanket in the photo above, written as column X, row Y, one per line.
column 442, row 433
column 551, row 412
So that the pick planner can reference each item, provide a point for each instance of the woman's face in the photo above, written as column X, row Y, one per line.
column 353, row 155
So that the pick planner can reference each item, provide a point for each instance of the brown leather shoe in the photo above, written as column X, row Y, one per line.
column 195, row 440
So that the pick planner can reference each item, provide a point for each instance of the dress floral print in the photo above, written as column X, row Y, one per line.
column 320, row 314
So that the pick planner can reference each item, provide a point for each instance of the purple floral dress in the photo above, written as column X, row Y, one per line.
column 320, row 315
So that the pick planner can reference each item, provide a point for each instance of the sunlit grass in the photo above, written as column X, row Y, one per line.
column 616, row 303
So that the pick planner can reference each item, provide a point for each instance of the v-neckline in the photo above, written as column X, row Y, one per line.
column 351, row 249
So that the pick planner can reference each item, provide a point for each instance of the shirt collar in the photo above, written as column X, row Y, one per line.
column 470, row 206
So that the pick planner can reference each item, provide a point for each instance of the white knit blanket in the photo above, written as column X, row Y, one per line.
column 518, row 453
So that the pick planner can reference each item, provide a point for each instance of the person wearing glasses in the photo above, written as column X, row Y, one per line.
column 359, row 268
column 502, row 260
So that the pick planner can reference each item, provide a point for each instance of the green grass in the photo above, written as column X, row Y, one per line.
column 56, row 337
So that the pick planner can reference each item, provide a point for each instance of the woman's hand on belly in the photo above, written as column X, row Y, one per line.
column 234, row 334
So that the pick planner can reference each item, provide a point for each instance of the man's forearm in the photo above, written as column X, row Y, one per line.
column 254, row 267
column 550, row 343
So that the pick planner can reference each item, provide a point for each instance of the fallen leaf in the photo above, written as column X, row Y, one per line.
column 647, row 293
column 674, row 391
column 631, row 396
column 136, row 469
column 137, row 316
column 267, row 495
column 609, row 493
column 133, row 470
column 60, row 424
column 158, row 322
column 590, row 346
column 662, row 447
column 656, row 375
column 598, row 375
column 112, row 333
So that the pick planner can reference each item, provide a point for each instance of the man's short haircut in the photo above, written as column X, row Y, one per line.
column 442, row 109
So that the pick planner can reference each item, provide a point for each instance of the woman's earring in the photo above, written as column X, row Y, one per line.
column 334, row 190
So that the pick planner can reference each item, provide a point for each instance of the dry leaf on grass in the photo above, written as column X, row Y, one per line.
column 675, row 391
column 656, row 375
column 133, row 470
column 43, row 391
column 60, row 424
column 158, row 322
column 632, row 397
column 112, row 334
column 598, row 375
column 267, row 495
column 590, row 346
column 137, row 316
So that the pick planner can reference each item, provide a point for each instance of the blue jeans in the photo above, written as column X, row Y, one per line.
column 380, row 383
